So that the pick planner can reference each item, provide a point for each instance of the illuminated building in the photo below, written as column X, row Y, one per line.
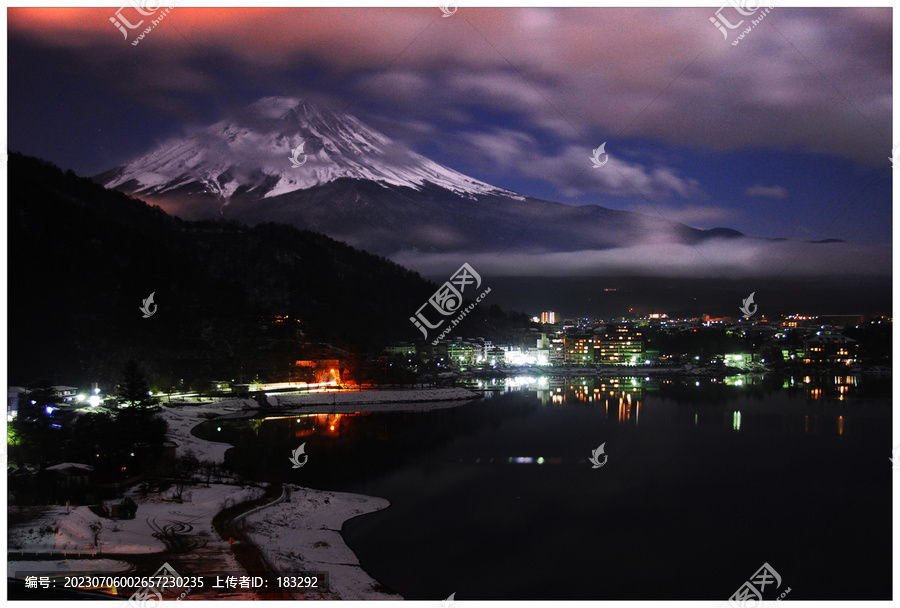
column 830, row 349
column 496, row 356
column 737, row 359
column 321, row 370
column 400, row 348
column 66, row 393
column 557, row 350
column 462, row 353
column 538, row 356
column 579, row 348
column 548, row 317
column 13, row 394
column 621, row 346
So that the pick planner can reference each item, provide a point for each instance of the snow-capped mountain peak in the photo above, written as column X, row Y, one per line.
column 253, row 151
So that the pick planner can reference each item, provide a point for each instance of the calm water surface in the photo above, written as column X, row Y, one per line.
column 705, row 481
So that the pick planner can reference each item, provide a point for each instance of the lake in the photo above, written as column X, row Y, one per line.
column 704, row 481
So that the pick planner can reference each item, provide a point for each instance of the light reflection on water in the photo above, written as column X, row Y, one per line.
column 483, row 493
column 624, row 400
column 626, row 395
column 826, row 405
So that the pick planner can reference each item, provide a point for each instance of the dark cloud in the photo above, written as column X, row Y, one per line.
column 563, row 70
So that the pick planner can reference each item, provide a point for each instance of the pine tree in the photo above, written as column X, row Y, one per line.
column 133, row 389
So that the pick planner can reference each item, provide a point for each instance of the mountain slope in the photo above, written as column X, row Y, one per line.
column 355, row 184
column 82, row 259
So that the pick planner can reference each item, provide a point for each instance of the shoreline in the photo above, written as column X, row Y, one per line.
column 346, row 408
column 300, row 531
column 300, row 534
column 371, row 397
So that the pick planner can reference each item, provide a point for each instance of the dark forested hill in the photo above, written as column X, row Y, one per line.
column 233, row 301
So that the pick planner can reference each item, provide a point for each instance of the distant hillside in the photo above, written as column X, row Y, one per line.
column 82, row 259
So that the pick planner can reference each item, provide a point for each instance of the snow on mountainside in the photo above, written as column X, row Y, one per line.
column 250, row 154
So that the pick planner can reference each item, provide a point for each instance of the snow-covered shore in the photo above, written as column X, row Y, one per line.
column 301, row 534
column 298, row 535
column 183, row 418
column 379, row 397
column 304, row 536
column 55, row 531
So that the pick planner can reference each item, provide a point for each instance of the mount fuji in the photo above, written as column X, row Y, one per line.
column 287, row 160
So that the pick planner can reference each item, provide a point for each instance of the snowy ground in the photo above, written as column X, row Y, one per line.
column 71, row 532
column 183, row 418
column 374, row 397
column 303, row 535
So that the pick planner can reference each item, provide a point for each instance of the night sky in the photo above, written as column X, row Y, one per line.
column 787, row 134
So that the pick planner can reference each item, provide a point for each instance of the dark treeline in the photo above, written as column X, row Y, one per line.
column 83, row 258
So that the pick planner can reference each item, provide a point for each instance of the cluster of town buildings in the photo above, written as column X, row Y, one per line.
column 623, row 345
column 560, row 342
column 625, row 342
